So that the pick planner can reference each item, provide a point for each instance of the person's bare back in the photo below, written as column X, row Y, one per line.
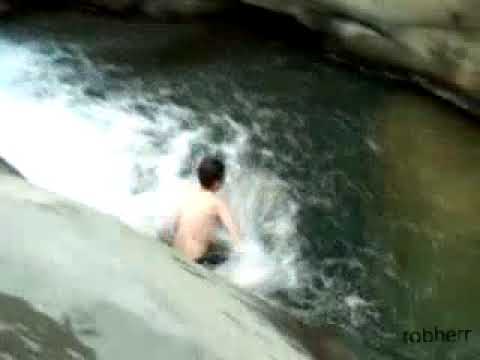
column 202, row 211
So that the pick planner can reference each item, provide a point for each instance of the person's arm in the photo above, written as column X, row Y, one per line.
column 174, row 226
column 226, row 219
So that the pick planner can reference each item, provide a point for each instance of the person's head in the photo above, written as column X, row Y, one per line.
column 211, row 173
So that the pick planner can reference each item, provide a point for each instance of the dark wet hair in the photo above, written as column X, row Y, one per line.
column 210, row 170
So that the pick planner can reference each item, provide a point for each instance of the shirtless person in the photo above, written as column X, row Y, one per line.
column 201, row 213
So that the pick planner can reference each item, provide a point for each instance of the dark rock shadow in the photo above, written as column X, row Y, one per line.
column 9, row 169
column 30, row 335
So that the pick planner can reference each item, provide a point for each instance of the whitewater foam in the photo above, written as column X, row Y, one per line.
column 104, row 153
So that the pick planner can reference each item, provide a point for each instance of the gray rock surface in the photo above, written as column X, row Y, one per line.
column 122, row 295
column 437, row 39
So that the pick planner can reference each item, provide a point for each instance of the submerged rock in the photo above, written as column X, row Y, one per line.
column 431, row 198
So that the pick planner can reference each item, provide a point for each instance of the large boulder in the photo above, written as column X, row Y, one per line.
column 5, row 7
column 438, row 40
column 184, row 7
column 153, row 8
column 160, row 8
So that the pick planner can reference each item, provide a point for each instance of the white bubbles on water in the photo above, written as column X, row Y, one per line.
column 103, row 152
column 268, row 219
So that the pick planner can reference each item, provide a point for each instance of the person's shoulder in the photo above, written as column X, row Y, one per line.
column 218, row 202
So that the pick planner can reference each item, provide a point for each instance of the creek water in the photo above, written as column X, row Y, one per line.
column 357, row 195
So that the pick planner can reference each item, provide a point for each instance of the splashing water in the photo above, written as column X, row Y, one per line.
column 104, row 152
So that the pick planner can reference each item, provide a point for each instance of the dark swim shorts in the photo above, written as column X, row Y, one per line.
column 212, row 259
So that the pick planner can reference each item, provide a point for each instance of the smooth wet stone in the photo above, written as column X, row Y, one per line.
column 127, row 296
